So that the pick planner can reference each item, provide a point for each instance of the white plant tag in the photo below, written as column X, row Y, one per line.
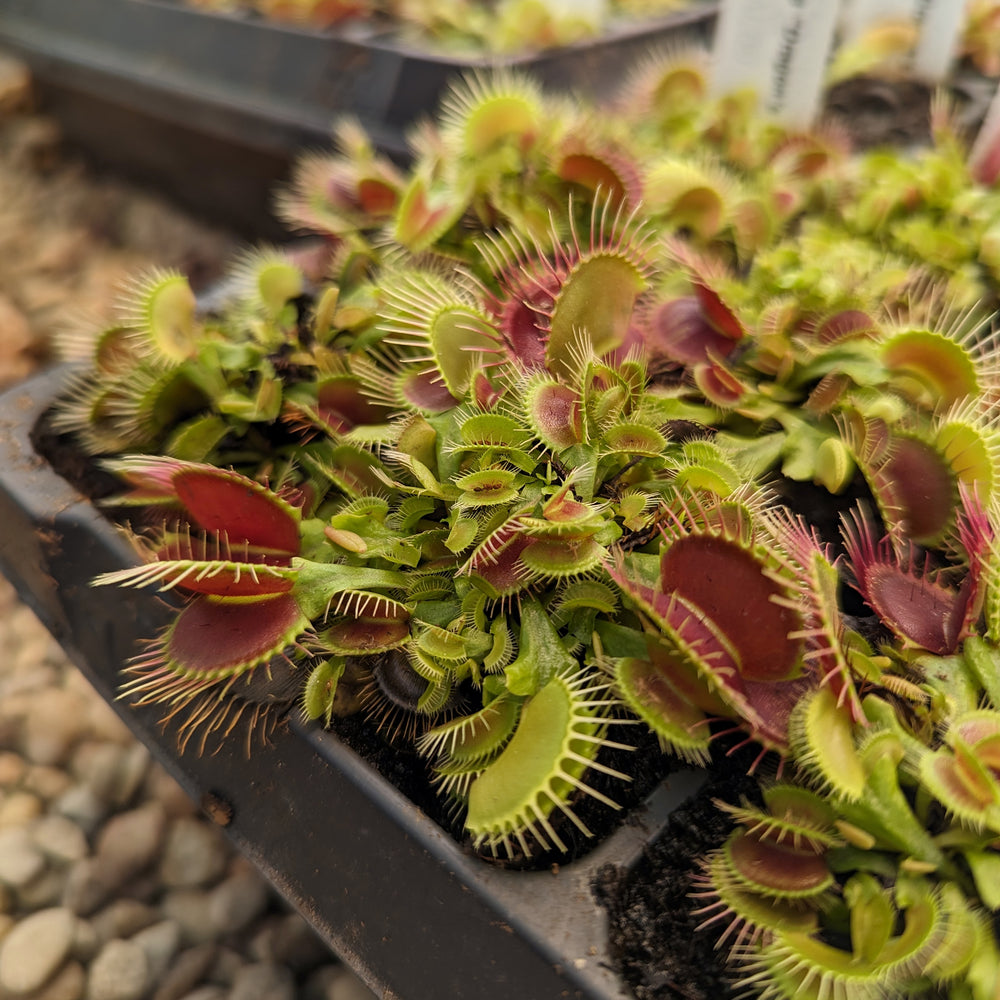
column 746, row 42
column 778, row 48
column 940, row 26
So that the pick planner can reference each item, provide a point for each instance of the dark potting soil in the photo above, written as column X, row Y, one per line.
column 654, row 938
column 896, row 111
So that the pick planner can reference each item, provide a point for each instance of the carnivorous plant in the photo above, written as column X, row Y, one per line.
column 593, row 418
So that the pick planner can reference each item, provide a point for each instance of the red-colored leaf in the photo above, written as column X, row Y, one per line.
column 922, row 485
column 679, row 331
column 218, row 638
column 777, row 869
column 238, row 508
column 728, row 584
column 925, row 612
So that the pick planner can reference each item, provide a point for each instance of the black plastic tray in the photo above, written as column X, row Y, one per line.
column 415, row 916
column 211, row 107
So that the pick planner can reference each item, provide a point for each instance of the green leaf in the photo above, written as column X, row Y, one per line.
column 317, row 584
column 541, row 654
column 985, row 868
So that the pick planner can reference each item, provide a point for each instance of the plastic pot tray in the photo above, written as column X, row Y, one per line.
column 398, row 899
column 202, row 101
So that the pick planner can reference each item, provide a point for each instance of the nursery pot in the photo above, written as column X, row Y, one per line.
column 210, row 108
column 416, row 915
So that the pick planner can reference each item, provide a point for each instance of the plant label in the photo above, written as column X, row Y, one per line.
column 940, row 26
column 779, row 49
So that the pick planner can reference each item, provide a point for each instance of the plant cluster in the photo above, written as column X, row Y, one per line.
column 473, row 25
column 653, row 414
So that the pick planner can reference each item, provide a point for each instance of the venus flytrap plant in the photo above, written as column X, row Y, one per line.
column 538, row 438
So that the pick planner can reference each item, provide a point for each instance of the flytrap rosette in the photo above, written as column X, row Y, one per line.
column 229, row 545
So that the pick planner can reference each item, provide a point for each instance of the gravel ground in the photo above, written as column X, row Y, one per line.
column 112, row 885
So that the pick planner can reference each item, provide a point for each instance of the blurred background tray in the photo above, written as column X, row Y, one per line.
column 211, row 108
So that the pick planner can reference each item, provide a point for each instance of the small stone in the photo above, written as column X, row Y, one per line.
column 123, row 918
column 18, row 808
column 263, row 981
column 132, row 768
column 86, row 943
column 60, row 838
column 162, row 787
column 237, row 901
column 68, row 983
column 160, row 942
column 20, row 860
column 227, row 964
column 335, row 982
column 34, row 950
column 52, row 726
column 98, row 766
column 81, row 804
column 12, row 768
column 349, row 987
column 86, row 887
column 207, row 993
column 120, row 971
column 195, row 854
column 130, row 841
column 105, row 724
column 47, row 782
column 44, row 891
column 189, row 907
column 144, row 887
column 186, row 971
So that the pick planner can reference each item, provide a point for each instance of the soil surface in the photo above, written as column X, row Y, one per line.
column 654, row 928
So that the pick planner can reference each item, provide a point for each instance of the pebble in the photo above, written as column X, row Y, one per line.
column 237, row 901
column 52, row 726
column 122, row 918
column 160, row 943
column 98, row 765
column 263, row 981
column 194, row 854
column 85, row 888
column 80, row 803
column 42, row 892
column 190, row 967
column 207, row 993
column 335, row 982
column 20, row 859
column 69, row 983
column 33, row 951
column 190, row 908
column 129, row 842
column 12, row 768
column 18, row 808
column 46, row 781
column 120, row 971
column 59, row 838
